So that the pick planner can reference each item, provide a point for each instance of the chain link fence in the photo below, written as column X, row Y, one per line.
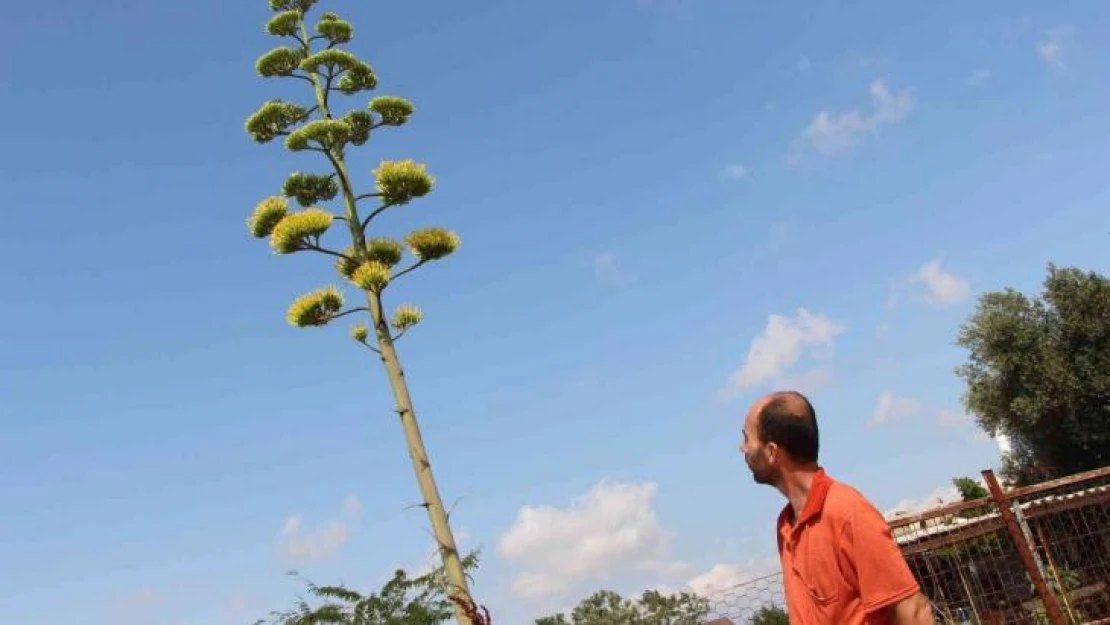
column 1038, row 554
column 756, row 602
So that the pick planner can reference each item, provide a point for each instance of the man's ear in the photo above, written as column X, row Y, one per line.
column 772, row 451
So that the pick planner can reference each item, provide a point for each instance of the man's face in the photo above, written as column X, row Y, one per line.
column 759, row 456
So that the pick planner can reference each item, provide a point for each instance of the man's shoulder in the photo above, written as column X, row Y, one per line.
column 845, row 501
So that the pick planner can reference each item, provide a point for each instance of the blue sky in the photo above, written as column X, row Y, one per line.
column 649, row 193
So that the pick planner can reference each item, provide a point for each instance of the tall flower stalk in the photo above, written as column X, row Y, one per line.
column 315, row 56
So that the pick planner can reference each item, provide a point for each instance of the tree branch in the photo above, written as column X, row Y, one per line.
column 399, row 335
column 377, row 211
column 315, row 247
column 364, row 196
column 401, row 273
column 347, row 312
column 334, row 163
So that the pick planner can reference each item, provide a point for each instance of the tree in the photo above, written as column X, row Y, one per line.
column 606, row 607
column 970, row 490
column 369, row 263
column 1039, row 372
column 770, row 615
column 401, row 601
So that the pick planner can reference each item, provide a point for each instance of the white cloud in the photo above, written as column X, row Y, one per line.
column 533, row 585
column 239, row 605
column 667, row 568
column 1005, row 445
column 1052, row 47
column 607, row 270
column 835, row 133
column 736, row 171
column 145, row 606
column 778, row 235
column 782, row 344
column 725, row 576
column 143, row 599
column 611, row 528
column 1014, row 30
column 352, row 506
column 942, row 288
column 810, row 382
column 964, row 424
column 320, row 543
column 938, row 497
column 979, row 76
column 952, row 419
column 891, row 407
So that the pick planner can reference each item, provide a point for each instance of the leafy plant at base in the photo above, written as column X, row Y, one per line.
column 770, row 615
column 606, row 607
column 366, row 263
column 403, row 600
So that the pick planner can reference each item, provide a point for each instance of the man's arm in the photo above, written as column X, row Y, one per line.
column 913, row 610
column 877, row 568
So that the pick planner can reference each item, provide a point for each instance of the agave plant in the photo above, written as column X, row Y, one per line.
column 366, row 261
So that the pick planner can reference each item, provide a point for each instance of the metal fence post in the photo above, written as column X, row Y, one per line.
column 1048, row 599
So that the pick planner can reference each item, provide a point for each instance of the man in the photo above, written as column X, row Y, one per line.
column 840, row 563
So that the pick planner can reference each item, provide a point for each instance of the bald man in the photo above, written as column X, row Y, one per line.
column 840, row 563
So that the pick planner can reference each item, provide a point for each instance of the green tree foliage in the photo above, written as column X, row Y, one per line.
column 970, row 490
column 369, row 262
column 990, row 544
column 403, row 600
column 770, row 615
column 1039, row 372
column 606, row 607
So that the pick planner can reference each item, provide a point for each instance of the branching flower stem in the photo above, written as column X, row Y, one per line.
column 458, row 588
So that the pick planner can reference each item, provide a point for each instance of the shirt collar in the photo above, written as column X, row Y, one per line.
column 815, row 501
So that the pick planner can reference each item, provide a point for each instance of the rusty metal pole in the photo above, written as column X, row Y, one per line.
column 1051, row 605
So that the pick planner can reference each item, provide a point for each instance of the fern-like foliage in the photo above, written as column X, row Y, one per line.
column 403, row 600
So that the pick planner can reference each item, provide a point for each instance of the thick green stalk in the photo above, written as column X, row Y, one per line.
column 433, row 502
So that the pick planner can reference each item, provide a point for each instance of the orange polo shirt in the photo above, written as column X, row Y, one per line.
column 840, row 563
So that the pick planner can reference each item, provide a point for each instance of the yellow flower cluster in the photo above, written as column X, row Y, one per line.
column 315, row 308
column 401, row 181
column 371, row 275
column 290, row 234
column 432, row 243
column 267, row 214
column 406, row 316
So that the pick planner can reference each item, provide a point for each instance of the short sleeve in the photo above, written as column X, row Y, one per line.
column 874, row 561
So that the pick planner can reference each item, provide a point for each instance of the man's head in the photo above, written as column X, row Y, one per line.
column 780, row 434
